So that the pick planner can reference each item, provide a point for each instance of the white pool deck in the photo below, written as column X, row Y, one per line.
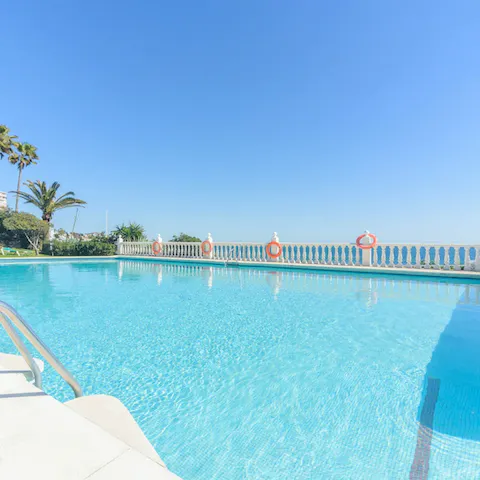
column 41, row 438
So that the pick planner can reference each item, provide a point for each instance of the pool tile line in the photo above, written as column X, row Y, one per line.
column 421, row 459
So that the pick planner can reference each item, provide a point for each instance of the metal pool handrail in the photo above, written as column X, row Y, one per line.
column 9, row 316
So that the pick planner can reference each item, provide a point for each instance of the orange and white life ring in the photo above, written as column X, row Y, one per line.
column 205, row 244
column 157, row 248
column 369, row 246
column 268, row 249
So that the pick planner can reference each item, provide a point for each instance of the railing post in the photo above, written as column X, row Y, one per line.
column 207, row 244
column 160, row 241
column 274, row 253
column 366, row 240
column 119, row 245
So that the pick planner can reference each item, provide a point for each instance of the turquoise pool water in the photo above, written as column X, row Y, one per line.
column 256, row 374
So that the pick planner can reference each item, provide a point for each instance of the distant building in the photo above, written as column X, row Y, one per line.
column 3, row 200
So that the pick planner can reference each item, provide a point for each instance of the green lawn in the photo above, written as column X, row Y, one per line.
column 23, row 253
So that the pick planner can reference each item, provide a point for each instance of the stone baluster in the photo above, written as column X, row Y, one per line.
column 409, row 256
column 436, row 259
column 477, row 260
column 375, row 256
column 383, row 256
column 428, row 256
column 466, row 259
column 418, row 256
column 456, row 259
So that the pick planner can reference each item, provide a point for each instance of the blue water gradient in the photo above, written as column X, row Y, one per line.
column 245, row 373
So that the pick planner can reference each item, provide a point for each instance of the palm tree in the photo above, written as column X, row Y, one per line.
column 133, row 232
column 6, row 141
column 45, row 198
column 24, row 155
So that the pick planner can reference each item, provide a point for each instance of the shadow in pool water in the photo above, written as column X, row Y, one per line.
column 455, row 363
column 451, row 395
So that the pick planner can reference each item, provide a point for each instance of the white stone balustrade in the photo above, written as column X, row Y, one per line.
column 387, row 255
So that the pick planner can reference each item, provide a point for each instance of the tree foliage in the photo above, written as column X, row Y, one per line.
column 183, row 237
column 6, row 141
column 34, row 229
column 133, row 232
column 45, row 198
column 23, row 155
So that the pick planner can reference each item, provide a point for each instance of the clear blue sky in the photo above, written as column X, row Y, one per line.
column 314, row 119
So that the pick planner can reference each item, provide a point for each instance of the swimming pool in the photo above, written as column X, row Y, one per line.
column 239, row 373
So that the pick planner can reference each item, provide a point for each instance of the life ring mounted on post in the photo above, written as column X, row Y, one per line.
column 207, row 247
column 156, row 248
column 268, row 249
column 368, row 246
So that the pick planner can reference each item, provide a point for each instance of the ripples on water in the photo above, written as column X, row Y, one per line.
column 261, row 374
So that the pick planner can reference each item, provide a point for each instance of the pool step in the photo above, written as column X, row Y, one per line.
column 110, row 414
column 44, row 439
column 15, row 364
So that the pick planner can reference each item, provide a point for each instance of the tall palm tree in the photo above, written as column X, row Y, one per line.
column 45, row 198
column 6, row 141
column 24, row 155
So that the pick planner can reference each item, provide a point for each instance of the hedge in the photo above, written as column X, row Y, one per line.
column 70, row 248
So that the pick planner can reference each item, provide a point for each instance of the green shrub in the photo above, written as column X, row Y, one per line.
column 95, row 247
column 69, row 248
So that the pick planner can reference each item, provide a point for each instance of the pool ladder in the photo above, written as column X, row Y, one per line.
column 10, row 318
